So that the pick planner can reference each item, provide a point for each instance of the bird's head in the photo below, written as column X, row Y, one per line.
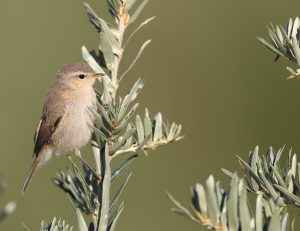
column 77, row 75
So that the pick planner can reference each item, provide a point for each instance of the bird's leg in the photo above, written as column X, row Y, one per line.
column 78, row 155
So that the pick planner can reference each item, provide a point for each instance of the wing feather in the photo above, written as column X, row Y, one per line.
column 47, row 126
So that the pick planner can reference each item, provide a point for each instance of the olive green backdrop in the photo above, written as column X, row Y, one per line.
column 204, row 69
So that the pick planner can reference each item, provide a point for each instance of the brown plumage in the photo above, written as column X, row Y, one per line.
column 65, row 122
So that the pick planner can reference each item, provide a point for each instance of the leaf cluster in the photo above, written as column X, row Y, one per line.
column 55, row 225
column 221, row 210
column 285, row 42
column 269, row 176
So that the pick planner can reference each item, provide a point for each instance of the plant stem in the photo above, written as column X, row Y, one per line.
column 104, row 211
column 104, row 155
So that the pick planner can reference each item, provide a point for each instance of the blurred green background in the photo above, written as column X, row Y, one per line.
column 204, row 69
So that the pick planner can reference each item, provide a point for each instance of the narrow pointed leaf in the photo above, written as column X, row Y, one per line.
column 138, row 11
column 116, row 218
column 123, row 167
column 137, row 29
column 119, row 192
column 158, row 127
column 136, row 59
column 80, row 221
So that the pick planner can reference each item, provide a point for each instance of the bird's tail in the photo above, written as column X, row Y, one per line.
column 34, row 167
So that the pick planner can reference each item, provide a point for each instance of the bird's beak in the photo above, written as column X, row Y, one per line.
column 96, row 75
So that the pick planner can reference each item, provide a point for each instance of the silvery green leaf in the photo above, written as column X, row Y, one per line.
column 279, row 34
column 165, row 127
column 253, row 162
column 119, row 192
column 182, row 213
column 172, row 131
column 129, row 140
column 76, row 187
column 278, row 177
column 278, row 155
column 90, row 60
column 93, row 17
column 121, row 140
column 135, row 60
column 264, row 164
column 105, row 116
column 137, row 29
column 296, row 49
column 102, row 26
column 123, row 167
column 80, row 221
column 293, row 224
column 219, row 193
column 102, row 126
column 275, row 221
column 181, row 210
column 148, row 126
column 129, row 5
column 288, row 194
column 248, row 168
column 100, row 133
column 223, row 216
column 107, row 50
column 285, row 36
column 272, row 204
column 232, row 205
column 116, row 217
column 259, row 213
column 245, row 217
column 274, row 39
column 289, row 27
column 158, row 127
column 271, row 155
column 140, row 8
column 285, row 223
column 143, row 145
column 106, row 98
column 125, row 120
column 137, row 87
column 270, row 188
column 139, row 129
column 212, row 206
column 123, row 107
column 112, row 8
column 178, row 133
column 295, row 27
column 234, row 176
column 294, row 165
column 199, row 189
column 272, row 48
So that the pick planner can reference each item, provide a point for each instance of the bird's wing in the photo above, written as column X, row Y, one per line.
column 47, row 126
column 37, row 130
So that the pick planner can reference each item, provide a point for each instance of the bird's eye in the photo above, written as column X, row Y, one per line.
column 81, row 76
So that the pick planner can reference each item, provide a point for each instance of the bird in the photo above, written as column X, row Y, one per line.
column 65, row 124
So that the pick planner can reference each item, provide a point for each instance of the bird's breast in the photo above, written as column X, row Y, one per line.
column 75, row 130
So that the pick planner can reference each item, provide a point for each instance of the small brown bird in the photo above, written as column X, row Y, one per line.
column 65, row 122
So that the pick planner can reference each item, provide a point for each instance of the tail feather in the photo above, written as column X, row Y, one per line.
column 34, row 167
